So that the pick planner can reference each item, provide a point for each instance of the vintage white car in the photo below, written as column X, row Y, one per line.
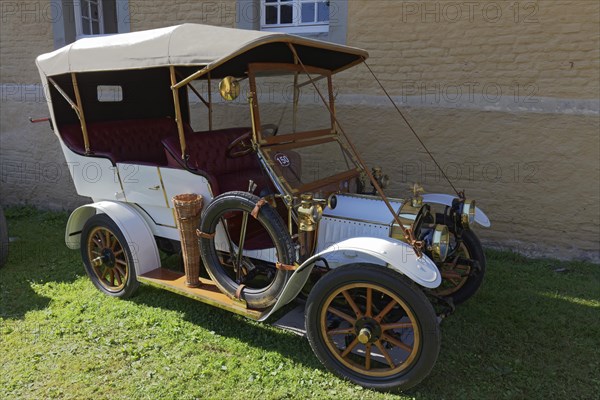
column 290, row 207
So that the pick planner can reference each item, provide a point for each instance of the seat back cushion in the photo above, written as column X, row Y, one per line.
column 125, row 141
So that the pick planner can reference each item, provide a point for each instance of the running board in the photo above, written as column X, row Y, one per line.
column 208, row 292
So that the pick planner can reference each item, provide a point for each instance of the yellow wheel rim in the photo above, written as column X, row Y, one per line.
column 370, row 330
column 108, row 259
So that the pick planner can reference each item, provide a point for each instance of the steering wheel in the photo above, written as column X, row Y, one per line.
column 241, row 146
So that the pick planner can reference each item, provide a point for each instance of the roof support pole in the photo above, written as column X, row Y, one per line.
column 208, row 103
column 65, row 96
column 254, row 115
column 80, row 114
column 178, row 119
column 296, row 98
column 190, row 78
column 210, row 110
column 331, row 103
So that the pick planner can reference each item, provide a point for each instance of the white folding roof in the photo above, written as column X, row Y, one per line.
column 192, row 44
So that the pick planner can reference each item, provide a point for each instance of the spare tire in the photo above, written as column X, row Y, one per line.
column 265, row 234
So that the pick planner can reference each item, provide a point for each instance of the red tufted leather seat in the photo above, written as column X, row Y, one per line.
column 208, row 153
column 135, row 141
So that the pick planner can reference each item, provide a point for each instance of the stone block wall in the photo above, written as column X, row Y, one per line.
column 504, row 93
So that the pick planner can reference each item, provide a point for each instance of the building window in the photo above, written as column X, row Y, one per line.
column 83, row 18
column 94, row 17
column 89, row 18
column 295, row 16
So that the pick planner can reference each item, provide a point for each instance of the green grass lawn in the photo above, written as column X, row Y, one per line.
column 530, row 333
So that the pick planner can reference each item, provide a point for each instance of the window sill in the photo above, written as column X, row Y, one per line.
column 95, row 35
column 297, row 29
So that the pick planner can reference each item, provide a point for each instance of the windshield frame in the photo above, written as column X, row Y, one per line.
column 267, row 146
column 257, row 68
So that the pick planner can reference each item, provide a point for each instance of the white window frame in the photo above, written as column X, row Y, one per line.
column 296, row 26
column 79, row 22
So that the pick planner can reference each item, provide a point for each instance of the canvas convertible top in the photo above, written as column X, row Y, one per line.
column 226, row 51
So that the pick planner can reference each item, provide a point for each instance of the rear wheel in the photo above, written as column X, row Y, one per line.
column 247, row 252
column 107, row 257
column 369, row 325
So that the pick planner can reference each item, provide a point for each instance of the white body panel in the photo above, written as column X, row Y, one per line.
column 175, row 181
column 368, row 209
column 94, row 177
column 137, row 233
column 159, row 216
column 389, row 252
column 141, row 184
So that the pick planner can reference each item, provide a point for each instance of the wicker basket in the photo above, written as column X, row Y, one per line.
column 187, row 213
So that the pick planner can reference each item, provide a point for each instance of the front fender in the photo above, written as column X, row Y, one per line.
column 135, row 229
column 446, row 199
column 387, row 252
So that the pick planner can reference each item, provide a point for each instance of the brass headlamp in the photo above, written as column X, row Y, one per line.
column 440, row 242
column 467, row 214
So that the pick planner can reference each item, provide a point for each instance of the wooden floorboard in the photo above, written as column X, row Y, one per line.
column 207, row 293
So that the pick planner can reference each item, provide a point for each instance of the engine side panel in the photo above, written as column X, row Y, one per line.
column 334, row 230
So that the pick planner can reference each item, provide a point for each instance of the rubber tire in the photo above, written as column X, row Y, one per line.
column 255, row 298
column 3, row 239
column 403, row 288
column 474, row 282
column 103, row 220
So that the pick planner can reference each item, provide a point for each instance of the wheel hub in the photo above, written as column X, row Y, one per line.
column 364, row 335
column 367, row 330
column 106, row 258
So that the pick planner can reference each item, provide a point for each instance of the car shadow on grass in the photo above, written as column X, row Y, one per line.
column 37, row 255
column 227, row 324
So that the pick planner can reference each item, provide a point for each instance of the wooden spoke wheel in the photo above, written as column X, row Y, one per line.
column 463, row 271
column 382, row 342
column 107, row 257
column 368, row 325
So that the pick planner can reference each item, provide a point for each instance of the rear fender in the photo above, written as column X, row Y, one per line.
column 446, row 199
column 388, row 253
column 135, row 229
